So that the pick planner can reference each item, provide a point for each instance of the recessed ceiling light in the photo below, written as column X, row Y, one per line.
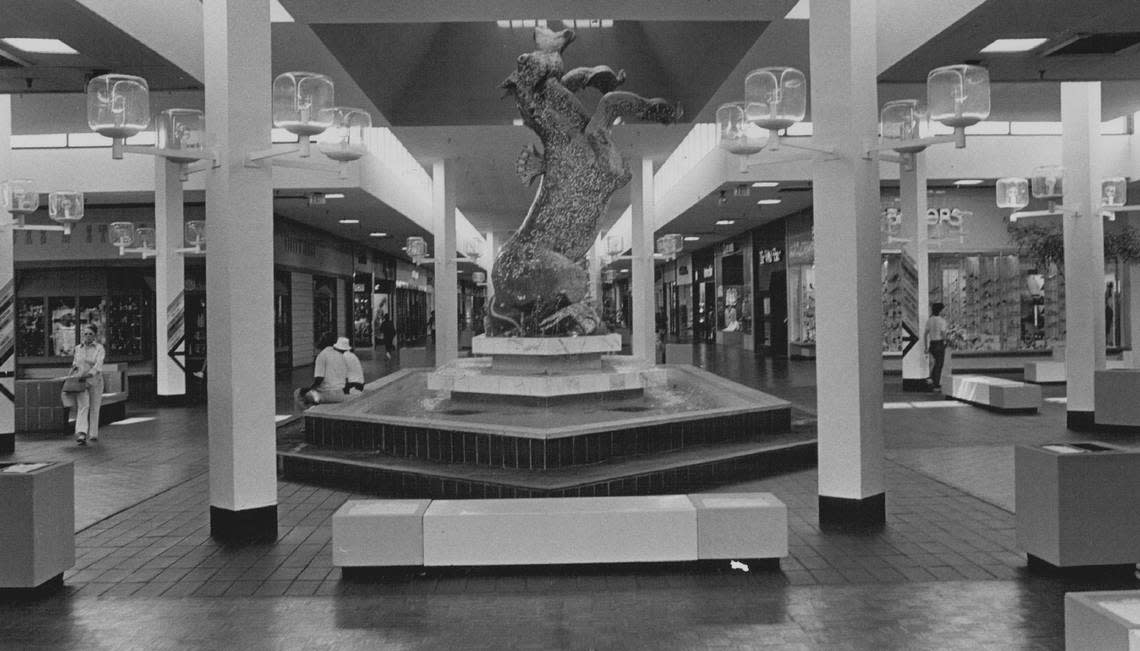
column 769, row 202
column 377, row 234
column 624, row 271
column 349, row 221
column 968, row 182
column 725, row 222
column 1013, row 45
column 765, row 184
column 335, row 195
column 40, row 45
column 692, row 238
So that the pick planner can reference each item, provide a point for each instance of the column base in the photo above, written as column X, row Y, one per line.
column 44, row 589
column 8, row 443
column 1081, row 421
column 173, row 400
column 247, row 526
column 840, row 513
column 916, row 384
column 1038, row 565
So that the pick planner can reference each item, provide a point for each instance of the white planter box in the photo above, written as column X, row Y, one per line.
column 37, row 524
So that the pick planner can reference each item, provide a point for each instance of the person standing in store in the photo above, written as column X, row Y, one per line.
column 330, row 375
column 934, row 339
column 87, row 363
column 387, row 333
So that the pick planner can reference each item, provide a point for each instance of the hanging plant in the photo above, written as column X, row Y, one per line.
column 1042, row 246
column 1045, row 245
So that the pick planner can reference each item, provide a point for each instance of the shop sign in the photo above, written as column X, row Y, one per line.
column 359, row 287
column 944, row 224
column 728, row 249
column 801, row 250
column 769, row 256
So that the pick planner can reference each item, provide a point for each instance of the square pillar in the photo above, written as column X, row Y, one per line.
column 169, row 284
column 446, row 285
column 239, row 273
column 642, row 337
column 1084, row 249
column 7, row 295
column 849, row 321
column 912, row 193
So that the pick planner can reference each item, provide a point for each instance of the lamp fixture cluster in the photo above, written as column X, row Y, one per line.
column 20, row 198
column 1048, row 183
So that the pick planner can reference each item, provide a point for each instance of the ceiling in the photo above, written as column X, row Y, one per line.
column 431, row 71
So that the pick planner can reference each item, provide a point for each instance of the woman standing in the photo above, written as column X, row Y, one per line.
column 88, row 364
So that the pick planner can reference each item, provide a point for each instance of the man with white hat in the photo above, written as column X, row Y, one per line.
column 330, row 375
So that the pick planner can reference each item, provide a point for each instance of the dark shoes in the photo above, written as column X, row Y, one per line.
column 81, row 438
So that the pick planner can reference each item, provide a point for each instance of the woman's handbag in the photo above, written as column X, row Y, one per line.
column 74, row 384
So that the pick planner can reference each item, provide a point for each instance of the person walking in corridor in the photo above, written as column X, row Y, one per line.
column 87, row 363
column 934, row 337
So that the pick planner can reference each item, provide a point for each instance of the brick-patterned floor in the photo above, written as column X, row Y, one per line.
column 943, row 574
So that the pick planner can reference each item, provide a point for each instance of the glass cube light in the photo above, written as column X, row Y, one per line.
column 122, row 233
column 417, row 247
column 118, row 106
column 65, row 206
column 19, row 196
column 195, row 231
column 903, row 119
column 301, row 101
column 670, row 244
column 614, row 246
column 479, row 277
column 958, row 95
column 1114, row 191
column 344, row 140
column 1047, row 182
column 1012, row 192
column 144, row 236
column 181, row 129
column 738, row 135
column 608, row 276
column 775, row 98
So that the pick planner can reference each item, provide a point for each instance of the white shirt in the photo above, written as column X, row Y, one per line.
column 936, row 327
column 332, row 367
column 89, row 359
column 355, row 370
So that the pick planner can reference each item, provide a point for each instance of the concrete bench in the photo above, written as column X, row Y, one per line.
column 1053, row 371
column 996, row 393
column 1102, row 621
column 567, row 530
column 38, row 405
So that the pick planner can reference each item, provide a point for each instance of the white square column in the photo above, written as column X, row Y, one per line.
column 446, row 286
column 239, row 273
column 7, row 294
column 169, row 283
column 642, row 337
column 912, row 193
column 1084, row 249
column 849, row 321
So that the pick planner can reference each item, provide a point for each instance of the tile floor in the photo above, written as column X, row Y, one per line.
column 943, row 574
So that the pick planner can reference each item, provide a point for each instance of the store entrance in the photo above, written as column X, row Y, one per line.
column 704, row 316
column 777, row 314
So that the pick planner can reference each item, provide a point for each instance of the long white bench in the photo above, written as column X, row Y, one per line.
column 996, row 393
column 1053, row 371
column 561, row 530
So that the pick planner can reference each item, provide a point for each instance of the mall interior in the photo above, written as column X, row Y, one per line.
column 799, row 182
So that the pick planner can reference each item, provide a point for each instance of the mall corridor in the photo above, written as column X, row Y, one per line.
column 944, row 573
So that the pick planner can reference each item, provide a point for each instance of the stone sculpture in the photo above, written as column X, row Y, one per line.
column 540, row 277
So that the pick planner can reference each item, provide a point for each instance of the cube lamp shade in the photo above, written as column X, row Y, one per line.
column 19, row 196
column 65, row 206
column 301, row 102
column 1114, row 191
column 195, row 230
column 1047, row 182
column 903, row 119
column 417, row 247
column 479, row 276
column 608, row 276
column 670, row 244
column 775, row 98
column 958, row 95
column 614, row 245
column 738, row 135
column 122, row 233
column 144, row 236
column 1012, row 193
column 344, row 140
column 118, row 106
column 181, row 129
